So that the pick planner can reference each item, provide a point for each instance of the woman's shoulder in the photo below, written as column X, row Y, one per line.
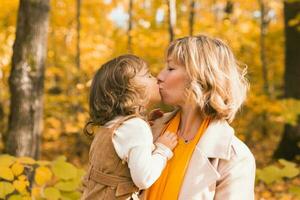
column 240, row 149
column 241, row 158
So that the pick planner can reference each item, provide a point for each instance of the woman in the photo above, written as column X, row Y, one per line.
column 203, row 80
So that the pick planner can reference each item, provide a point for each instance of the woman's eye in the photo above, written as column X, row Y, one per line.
column 170, row 68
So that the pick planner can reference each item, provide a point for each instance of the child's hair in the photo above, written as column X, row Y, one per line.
column 114, row 92
column 218, row 84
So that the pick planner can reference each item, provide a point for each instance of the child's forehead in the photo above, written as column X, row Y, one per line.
column 144, row 67
column 144, row 70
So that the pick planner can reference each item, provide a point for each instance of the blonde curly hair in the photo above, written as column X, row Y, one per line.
column 114, row 92
column 217, row 83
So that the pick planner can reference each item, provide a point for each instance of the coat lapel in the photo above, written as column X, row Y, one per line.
column 214, row 144
column 216, row 140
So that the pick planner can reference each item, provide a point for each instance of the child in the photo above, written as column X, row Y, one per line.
column 123, row 159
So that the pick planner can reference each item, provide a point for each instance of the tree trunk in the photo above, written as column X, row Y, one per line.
column 1, row 127
column 264, row 22
column 263, row 33
column 26, row 81
column 129, row 34
column 78, row 5
column 171, row 18
column 289, row 145
column 191, row 17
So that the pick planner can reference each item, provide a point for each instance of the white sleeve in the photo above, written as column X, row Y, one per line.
column 133, row 143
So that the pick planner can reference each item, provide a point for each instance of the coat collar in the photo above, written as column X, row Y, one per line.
column 214, row 143
column 216, row 140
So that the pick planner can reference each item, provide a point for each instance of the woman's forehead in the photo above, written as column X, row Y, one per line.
column 172, row 60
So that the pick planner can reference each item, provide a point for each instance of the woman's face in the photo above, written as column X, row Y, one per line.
column 173, row 81
column 145, row 78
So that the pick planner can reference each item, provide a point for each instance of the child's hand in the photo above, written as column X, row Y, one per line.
column 168, row 139
column 153, row 115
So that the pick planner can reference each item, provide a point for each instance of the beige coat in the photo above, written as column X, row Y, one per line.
column 221, row 167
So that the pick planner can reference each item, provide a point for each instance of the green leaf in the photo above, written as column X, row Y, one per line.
column 269, row 174
column 15, row 197
column 295, row 190
column 5, row 189
column 61, row 158
column 67, row 186
column 64, row 170
column 52, row 193
column 71, row 195
column 290, row 169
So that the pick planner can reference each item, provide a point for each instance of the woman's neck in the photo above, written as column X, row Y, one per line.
column 191, row 119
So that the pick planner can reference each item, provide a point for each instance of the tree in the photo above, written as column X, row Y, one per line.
column 78, row 6
column 129, row 34
column 264, row 22
column 26, row 81
column 171, row 18
column 289, row 145
column 191, row 17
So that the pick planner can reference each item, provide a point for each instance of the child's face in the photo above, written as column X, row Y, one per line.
column 145, row 78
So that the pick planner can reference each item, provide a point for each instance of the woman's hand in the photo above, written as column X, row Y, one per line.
column 168, row 139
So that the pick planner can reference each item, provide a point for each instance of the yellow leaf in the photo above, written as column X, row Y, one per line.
column 70, row 128
column 52, row 193
column 22, row 177
column 6, row 160
column 20, row 185
column 17, row 169
column 36, row 192
column 26, row 198
column 64, row 170
column 6, row 173
column 42, row 162
column 55, row 123
column 15, row 197
column 5, row 189
column 82, row 118
column 26, row 160
column 42, row 175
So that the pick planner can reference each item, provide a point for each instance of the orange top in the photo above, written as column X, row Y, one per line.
column 169, row 183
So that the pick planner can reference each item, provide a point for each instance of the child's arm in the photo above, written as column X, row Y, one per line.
column 133, row 142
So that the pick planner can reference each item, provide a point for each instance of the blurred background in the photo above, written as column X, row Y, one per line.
column 49, row 51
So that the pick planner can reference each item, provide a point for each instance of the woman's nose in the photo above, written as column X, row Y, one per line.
column 160, row 77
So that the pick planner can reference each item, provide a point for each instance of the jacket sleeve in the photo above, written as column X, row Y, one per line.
column 133, row 143
column 237, row 175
